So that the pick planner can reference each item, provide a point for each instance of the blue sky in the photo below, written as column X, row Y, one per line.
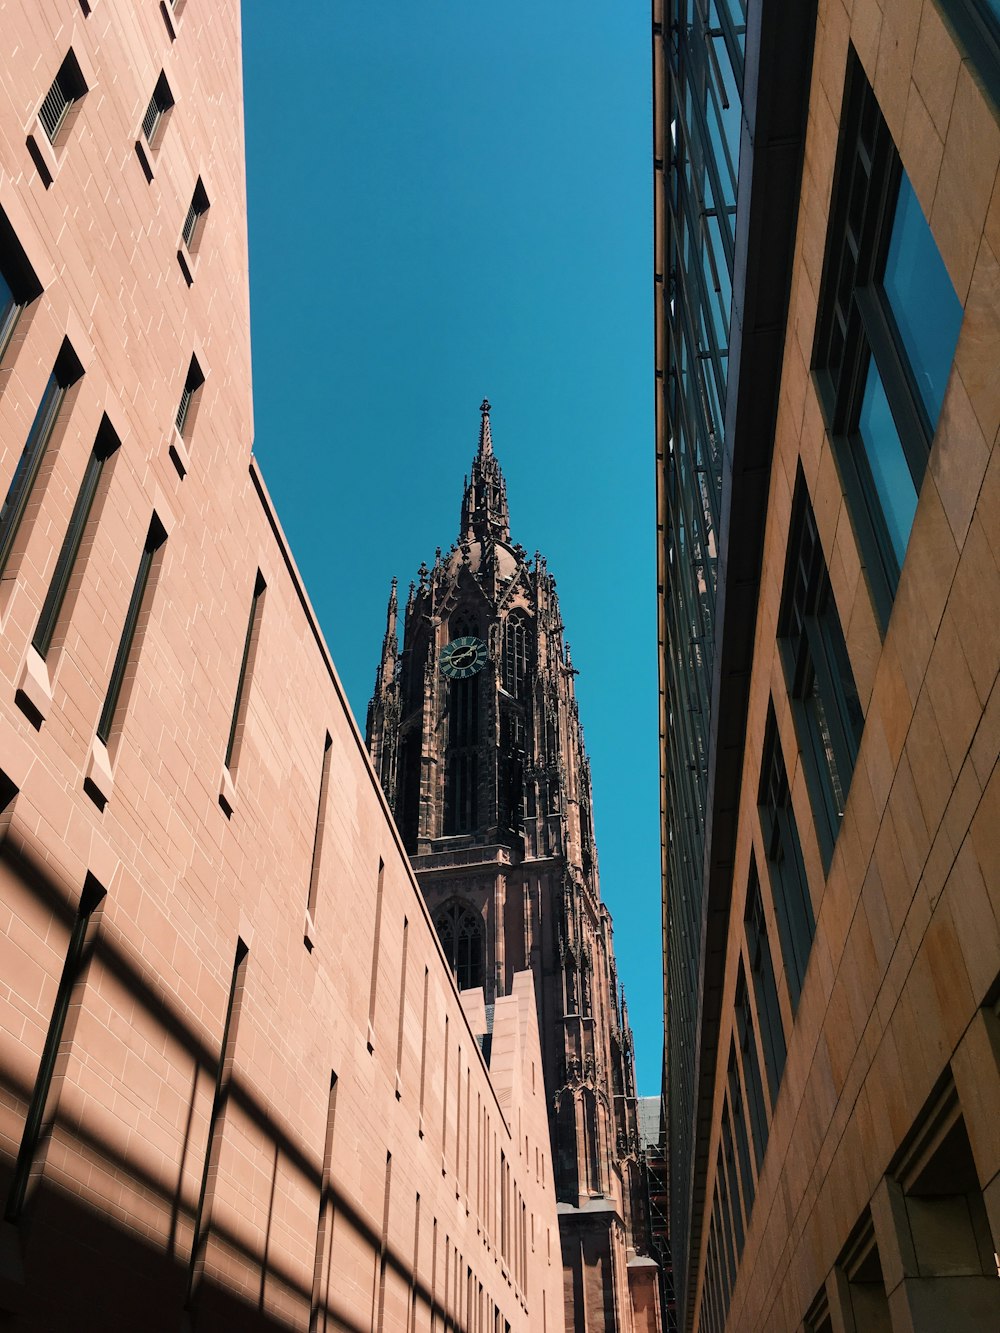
column 446, row 202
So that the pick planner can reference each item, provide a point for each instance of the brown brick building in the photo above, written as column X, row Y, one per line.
column 239, row 1088
column 828, row 336
column 475, row 732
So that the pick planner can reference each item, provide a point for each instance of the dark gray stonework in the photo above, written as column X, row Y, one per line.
column 488, row 777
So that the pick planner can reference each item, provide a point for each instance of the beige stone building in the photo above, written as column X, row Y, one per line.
column 828, row 339
column 239, row 1088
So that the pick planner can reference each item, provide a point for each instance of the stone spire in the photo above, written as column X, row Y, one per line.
column 484, row 505
column 391, row 642
column 382, row 725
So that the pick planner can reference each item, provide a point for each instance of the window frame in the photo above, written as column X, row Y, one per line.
column 809, row 656
column 776, row 828
column 978, row 35
column 66, row 371
column 855, row 324
column 105, row 445
column 111, row 711
column 20, row 280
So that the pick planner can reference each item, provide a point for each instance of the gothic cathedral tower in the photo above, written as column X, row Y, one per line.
column 474, row 732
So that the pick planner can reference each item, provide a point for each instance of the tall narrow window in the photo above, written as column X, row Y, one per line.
column 790, row 889
column 734, row 1181
column 765, row 989
column 317, row 854
column 242, row 682
column 81, row 943
column 18, row 284
column 828, row 715
column 194, row 219
column 402, row 1006
column 886, row 331
column 423, row 1049
column 66, row 372
column 515, row 654
column 216, row 1120
column 104, row 446
column 376, row 950
column 67, row 87
column 154, row 540
column 154, row 121
column 383, row 1249
column 188, row 405
column 460, row 930
column 740, row 1130
column 462, row 766
column 324, row 1225
column 751, row 1068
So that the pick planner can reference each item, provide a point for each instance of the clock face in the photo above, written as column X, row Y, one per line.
column 462, row 657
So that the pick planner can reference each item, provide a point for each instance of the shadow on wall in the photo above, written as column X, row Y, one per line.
column 66, row 1264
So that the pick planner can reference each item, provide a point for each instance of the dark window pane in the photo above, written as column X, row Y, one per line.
column 887, row 463
column 927, row 312
column 12, row 510
column 9, row 307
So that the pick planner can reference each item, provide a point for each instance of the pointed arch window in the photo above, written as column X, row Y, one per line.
column 461, row 807
column 460, row 930
column 516, row 652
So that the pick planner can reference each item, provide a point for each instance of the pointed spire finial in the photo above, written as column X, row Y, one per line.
column 484, row 503
column 390, row 641
column 485, row 435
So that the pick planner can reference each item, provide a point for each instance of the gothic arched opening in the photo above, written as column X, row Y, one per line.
column 517, row 646
column 460, row 930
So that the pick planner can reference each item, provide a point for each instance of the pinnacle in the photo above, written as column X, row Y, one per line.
column 485, row 435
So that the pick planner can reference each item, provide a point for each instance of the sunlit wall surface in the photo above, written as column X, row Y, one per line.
column 704, row 52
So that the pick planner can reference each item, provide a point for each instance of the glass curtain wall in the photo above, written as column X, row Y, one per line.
column 704, row 41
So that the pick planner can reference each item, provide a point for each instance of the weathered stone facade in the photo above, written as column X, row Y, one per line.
column 483, row 761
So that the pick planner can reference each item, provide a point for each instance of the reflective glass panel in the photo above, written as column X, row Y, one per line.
column 887, row 463
column 928, row 314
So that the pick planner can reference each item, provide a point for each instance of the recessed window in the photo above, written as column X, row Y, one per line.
column 67, row 87
column 104, row 446
column 18, row 284
column 764, row 986
column 828, row 715
column 977, row 24
column 246, row 671
column 194, row 220
column 886, row 331
column 153, row 122
column 460, row 930
column 123, row 658
column 751, row 1069
column 789, row 886
column 66, row 371
column 187, row 407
